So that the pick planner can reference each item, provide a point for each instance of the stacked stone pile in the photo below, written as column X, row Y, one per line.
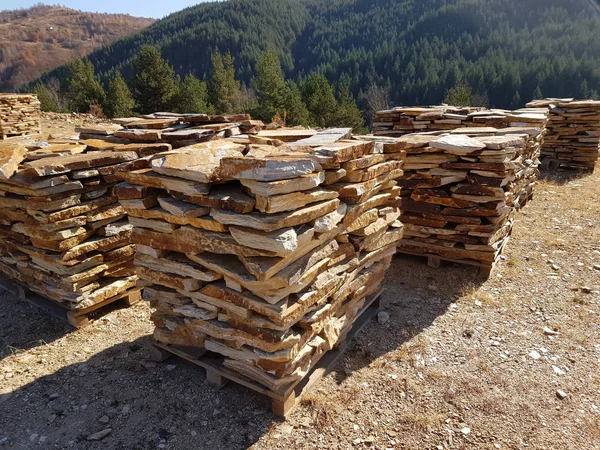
column 573, row 133
column 264, row 255
column 461, row 192
column 63, row 233
column 19, row 115
column 177, row 130
column 406, row 120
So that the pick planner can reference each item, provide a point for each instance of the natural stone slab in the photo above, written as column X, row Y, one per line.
column 156, row 225
column 182, row 209
column 199, row 162
column 458, row 144
column 325, row 137
column 281, row 187
column 343, row 151
column 10, row 158
column 372, row 172
column 228, row 197
column 277, row 221
column 281, row 242
column 292, row 201
column 64, row 164
column 179, row 264
column 194, row 240
column 330, row 221
column 147, row 177
column 203, row 222
column 267, row 168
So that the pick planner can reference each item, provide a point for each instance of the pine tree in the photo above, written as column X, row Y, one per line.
column 45, row 98
column 537, row 94
column 223, row 87
column 516, row 101
column 83, row 88
column 270, row 87
column 154, row 81
column 348, row 114
column 319, row 98
column 295, row 109
column 584, row 90
column 459, row 95
column 192, row 96
column 119, row 101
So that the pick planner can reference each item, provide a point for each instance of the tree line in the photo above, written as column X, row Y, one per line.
column 409, row 52
column 155, row 86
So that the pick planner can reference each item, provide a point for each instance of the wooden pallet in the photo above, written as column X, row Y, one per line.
column 485, row 270
column 79, row 318
column 282, row 403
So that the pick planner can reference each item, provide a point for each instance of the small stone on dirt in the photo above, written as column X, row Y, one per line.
column 535, row 355
column 383, row 317
column 99, row 435
column 549, row 331
column 104, row 419
column 561, row 394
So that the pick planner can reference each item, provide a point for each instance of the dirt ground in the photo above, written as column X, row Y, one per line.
column 460, row 364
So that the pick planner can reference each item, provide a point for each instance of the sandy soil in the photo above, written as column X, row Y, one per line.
column 460, row 364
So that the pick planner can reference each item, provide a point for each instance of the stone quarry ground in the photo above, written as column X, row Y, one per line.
column 459, row 364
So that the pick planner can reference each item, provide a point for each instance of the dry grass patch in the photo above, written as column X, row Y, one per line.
column 423, row 422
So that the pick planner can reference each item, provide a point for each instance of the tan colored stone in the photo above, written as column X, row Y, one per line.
column 276, row 167
column 99, row 244
column 343, row 151
column 281, row 187
column 280, row 242
column 64, row 214
column 178, row 264
column 330, row 221
column 292, row 201
column 264, row 268
column 64, row 164
column 228, row 197
column 274, row 222
column 198, row 162
column 188, row 239
column 146, row 177
column 182, row 209
column 333, row 176
column 372, row 172
column 457, row 144
column 10, row 158
column 364, row 162
column 155, row 225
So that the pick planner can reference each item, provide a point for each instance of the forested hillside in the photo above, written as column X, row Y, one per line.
column 507, row 51
column 40, row 38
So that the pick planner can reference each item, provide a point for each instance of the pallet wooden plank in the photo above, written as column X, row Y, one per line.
column 282, row 403
column 77, row 318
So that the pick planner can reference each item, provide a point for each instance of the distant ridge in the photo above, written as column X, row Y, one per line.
column 40, row 38
column 507, row 51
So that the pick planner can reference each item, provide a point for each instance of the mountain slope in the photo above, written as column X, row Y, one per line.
column 38, row 39
column 508, row 51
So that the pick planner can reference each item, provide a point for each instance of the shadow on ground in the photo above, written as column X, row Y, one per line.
column 564, row 176
column 24, row 326
column 169, row 405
